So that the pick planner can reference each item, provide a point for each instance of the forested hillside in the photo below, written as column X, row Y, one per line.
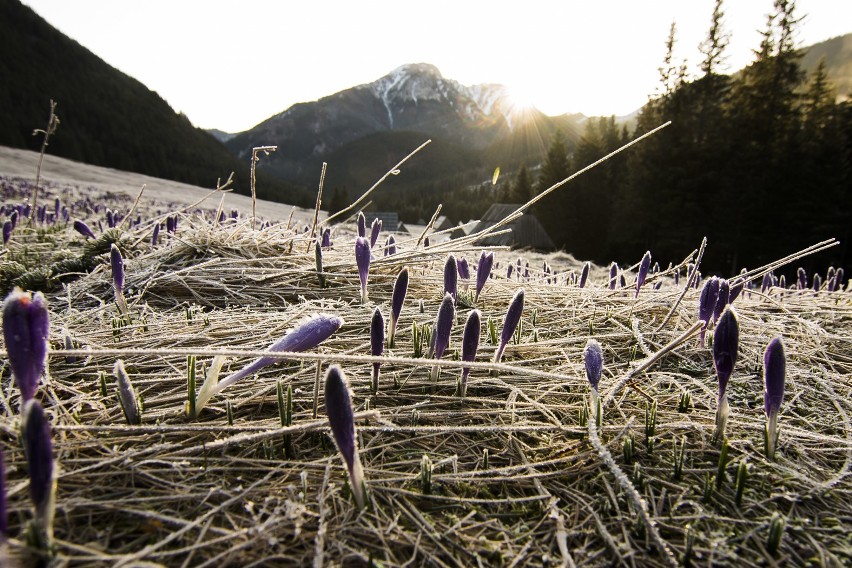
column 760, row 162
column 106, row 117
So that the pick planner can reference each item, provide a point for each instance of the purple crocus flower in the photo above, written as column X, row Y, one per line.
column 426, row 242
column 362, row 259
column 774, row 370
column 26, row 327
column 326, row 238
column 400, row 288
column 470, row 343
column 766, row 283
column 483, row 271
column 155, row 236
column 613, row 275
column 309, row 333
column 338, row 407
column 443, row 328
column 362, row 224
column 726, row 340
column 38, row 448
column 706, row 304
column 817, row 282
column 7, row 231
column 644, row 266
column 390, row 245
column 584, row 276
column 14, row 219
column 377, row 344
column 375, row 229
column 510, row 322
column 509, row 269
column 721, row 298
column 451, row 277
column 110, row 218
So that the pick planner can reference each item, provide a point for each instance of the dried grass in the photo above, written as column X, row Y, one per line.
column 177, row 492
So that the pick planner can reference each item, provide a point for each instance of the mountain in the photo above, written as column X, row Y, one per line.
column 837, row 52
column 364, row 130
column 220, row 135
column 106, row 117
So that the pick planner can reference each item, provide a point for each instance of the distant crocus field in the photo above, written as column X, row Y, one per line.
column 216, row 390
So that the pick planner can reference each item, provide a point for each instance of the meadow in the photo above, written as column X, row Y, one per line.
column 516, row 473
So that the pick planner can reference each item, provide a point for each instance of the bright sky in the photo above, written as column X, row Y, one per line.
column 230, row 64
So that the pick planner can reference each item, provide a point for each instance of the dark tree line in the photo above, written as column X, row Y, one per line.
column 760, row 163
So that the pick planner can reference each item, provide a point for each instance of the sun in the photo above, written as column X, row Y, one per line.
column 520, row 97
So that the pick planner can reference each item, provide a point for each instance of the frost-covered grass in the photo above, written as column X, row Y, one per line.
column 516, row 474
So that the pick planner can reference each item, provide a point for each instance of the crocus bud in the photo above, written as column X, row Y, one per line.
column 83, row 229
column 463, row 268
column 7, row 231
column 510, row 322
column 613, row 276
column 451, row 277
column 801, row 278
column 706, row 304
column 390, row 246
column 38, row 447
column 117, row 264
column 584, row 276
column 644, row 266
column 400, row 288
column 362, row 224
column 318, row 262
column 470, row 342
column 721, row 298
column 362, row 259
column 375, row 229
column 817, row 282
column 593, row 361
column 735, row 290
column 774, row 370
column 309, row 333
column 509, row 269
column 377, row 344
column 726, row 341
column 443, row 328
column 110, row 218
column 26, row 327
column 127, row 394
column 483, row 271
column 338, row 407
column 326, row 238
column 155, row 236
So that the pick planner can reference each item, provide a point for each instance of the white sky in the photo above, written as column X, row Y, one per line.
column 230, row 64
